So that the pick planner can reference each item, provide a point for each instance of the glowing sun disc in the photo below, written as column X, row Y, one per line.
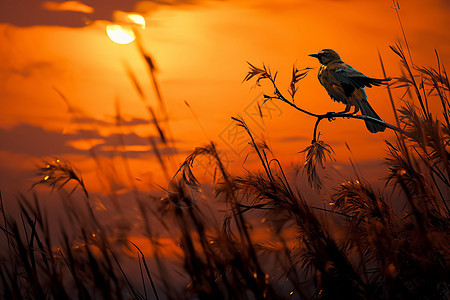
column 120, row 34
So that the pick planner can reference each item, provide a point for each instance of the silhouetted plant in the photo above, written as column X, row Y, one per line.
column 384, row 242
column 58, row 173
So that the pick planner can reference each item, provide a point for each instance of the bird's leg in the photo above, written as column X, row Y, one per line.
column 331, row 115
column 347, row 108
column 356, row 109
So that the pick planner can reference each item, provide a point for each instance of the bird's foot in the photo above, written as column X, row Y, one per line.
column 330, row 116
column 349, row 115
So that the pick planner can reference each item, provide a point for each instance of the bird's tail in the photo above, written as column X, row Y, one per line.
column 367, row 110
column 379, row 81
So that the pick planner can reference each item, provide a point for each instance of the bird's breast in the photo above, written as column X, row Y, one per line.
column 331, row 85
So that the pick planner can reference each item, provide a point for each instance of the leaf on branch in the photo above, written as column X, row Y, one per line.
column 266, row 98
column 260, row 111
column 297, row 75
column 259, row 73
column 316, row 155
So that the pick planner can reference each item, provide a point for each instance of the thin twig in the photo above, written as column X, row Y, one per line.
column 330, row 115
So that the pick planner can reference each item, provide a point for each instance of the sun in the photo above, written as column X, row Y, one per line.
column 123, row 33
column 120, row 34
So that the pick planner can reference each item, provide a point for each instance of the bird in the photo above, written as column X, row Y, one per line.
column 345, row 84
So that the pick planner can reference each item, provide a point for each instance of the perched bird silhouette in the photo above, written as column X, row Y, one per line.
column 345, row 84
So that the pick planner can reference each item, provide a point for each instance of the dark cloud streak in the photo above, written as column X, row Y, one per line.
column 25, row 13
column 38, row 142
column 31, row 12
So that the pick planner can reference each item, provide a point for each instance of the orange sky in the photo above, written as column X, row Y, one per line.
column 201, row 51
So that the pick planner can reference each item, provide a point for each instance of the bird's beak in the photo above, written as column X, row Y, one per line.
column 314, row 55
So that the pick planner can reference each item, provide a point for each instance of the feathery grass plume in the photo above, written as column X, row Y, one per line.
column 427, row 216
column 404, row 171
column 409, row 79
column 428, row 137
column 438, row 82
column 58, row 173
column 360, row 202
column 418, row 164
column 199, row 261
column 369, row 216
column 316, row 156
column 271, row 193
column 429, row 141
column 238, row 251
column 319, row 253
column 373, row 230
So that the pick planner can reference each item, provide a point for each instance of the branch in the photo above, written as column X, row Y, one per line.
column 333, row 115
column 280, row 96
column 330, row 115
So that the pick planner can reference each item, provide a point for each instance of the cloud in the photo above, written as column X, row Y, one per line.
column 124, row 122
column 25, row 13
column 294, row 139
column 35, row 68
column 37, row 142
column 68, row 6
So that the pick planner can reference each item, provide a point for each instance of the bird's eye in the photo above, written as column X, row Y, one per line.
column 324, row 54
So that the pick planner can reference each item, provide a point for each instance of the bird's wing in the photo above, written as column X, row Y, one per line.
column 351, row 77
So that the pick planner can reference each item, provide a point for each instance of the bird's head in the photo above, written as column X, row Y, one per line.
column 327, row 56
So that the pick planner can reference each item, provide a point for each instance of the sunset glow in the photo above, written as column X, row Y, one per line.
column 194, row 138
